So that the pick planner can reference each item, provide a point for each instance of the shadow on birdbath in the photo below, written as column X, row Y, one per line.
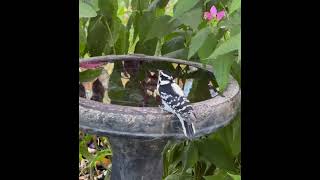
column 124, row 107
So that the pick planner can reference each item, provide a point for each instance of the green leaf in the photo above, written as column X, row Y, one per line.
column 130, row 21
column 235, row 177
column 172, row 177
column 122, row 44
column 221, row 175
column 173, row 44
column 221, row 69
column 97, row 36
column 199, row 90
column 162, row 26
column 89, row 75
column 235, row 30
column 115, row 28
column 175, row 33
column 235, row 5
column 198, row 40
column 234, row 20
column 102, row 35
column 82, row 39
column 158, row 4
column 85, row 10
column 108, row 8
column 206, row 1
column 192, row 18
column 229, row 45
column 99, row 156
column 95, row 5
column 167, row 150
column 236, row 71
column 148, row 47
column 116, row 91
column 190, row 156
column 83, row 148
column 183, row 6
column 143, row 24
column 178, row 54
column 180, row 176
column 215, row 152
column 126, row 2
column 121, row 12
column 80, row 157
column 236, row 136
column 135, row 24
column 173, row 151
column 239, row 56
column 231, row 136
column 210, row 168
column 210, row 44
column 139, row 5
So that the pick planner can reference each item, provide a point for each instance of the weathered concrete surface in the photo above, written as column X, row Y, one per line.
column 108, row 119
column 138, row 134
column 137, row 159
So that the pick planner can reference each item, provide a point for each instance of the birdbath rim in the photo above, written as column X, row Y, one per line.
column 150, row 122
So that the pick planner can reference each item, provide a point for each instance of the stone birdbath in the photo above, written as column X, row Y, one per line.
column 138, row 135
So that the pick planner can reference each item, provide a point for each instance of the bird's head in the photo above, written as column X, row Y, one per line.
column 164, row 77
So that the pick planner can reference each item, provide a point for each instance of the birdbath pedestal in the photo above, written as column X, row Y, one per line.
column 138, row 135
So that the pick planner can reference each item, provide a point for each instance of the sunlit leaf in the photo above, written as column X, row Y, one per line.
column 235, row 5
column 85, row 10
column 235, row 177
column 230, row 45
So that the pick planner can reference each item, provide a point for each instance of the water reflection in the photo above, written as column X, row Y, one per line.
column 133, row 83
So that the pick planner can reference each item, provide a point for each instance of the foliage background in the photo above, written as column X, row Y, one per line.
column 174, row 28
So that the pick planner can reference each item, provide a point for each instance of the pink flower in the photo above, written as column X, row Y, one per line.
column 220, row 15
column 213, row 14
column 207, row 16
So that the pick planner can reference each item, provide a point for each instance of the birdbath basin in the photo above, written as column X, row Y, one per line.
column 139, row 134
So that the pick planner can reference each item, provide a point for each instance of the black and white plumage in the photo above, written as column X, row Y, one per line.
column 174, row 101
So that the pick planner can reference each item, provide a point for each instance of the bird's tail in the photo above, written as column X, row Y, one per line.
column 189, row 130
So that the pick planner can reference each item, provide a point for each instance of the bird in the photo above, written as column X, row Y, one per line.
column 174, row 101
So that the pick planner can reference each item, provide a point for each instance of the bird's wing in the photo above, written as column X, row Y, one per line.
column 177, row 89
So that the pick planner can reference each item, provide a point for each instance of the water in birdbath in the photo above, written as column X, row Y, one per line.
column 134, row 83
